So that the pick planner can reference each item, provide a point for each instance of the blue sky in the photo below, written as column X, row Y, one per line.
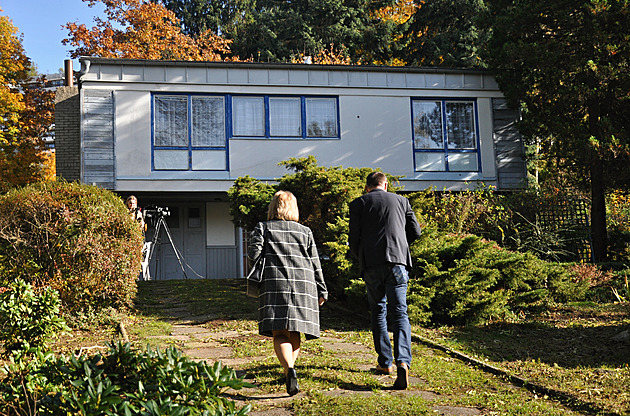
column 40, row 23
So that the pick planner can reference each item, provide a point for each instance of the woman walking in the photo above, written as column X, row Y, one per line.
column 292, row 288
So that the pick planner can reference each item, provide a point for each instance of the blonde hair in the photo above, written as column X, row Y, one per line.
column 131, row 198
column 283, row 206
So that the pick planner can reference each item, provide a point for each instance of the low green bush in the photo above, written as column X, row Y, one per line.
column 467, row 280
column 120, row 382
column 77, row 239
column 28, row 319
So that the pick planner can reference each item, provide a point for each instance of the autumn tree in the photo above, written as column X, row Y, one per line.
column 26, row 111
column 138, row 29
column 568, row 64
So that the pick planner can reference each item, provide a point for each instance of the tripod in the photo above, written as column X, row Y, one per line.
column 150, row 248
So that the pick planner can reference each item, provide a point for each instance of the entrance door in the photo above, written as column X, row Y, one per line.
column 186, row 228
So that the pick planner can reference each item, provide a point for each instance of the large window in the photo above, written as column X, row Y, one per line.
column 285, row 117
column 189, row 132
column 445, row 135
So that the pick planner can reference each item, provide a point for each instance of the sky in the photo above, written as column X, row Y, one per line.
column 40, row 22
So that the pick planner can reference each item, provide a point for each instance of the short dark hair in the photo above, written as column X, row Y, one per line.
column 375, row 179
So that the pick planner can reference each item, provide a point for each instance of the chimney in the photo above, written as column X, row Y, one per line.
column 69, row 76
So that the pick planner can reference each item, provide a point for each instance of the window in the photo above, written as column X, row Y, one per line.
column 445, row 135
column 248, row 115
column 285, row 117
column 189, row 132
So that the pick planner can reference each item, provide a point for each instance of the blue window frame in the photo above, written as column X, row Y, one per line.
column 445, row 135
column 189, row 132
column 279, row 116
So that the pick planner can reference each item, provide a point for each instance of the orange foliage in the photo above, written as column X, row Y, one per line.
column 399, row 13
column 138, row 29
column 327, row 56
column 26, row 111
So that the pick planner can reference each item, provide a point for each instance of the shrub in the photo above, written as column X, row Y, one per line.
column 120, row 382
column 323, row 195
column 77, row 239
column 28, row 319
column 468, row 280
column 457, row 277
column 476, row 211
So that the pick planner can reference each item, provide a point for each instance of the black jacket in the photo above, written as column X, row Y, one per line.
column 382, row 226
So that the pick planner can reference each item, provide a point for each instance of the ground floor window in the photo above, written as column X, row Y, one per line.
column 445, row 135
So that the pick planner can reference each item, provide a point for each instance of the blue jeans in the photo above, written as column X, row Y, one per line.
column 387, row 293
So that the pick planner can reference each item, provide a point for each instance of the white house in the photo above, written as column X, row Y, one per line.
column 177, row 134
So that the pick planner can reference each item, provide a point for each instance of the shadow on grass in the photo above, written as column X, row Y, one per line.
column 274, row 371
column 206, row 300
column 576, row 340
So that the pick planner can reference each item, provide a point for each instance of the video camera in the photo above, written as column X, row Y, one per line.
column 153, row 212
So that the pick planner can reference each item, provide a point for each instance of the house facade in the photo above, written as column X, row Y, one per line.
column 177, row 135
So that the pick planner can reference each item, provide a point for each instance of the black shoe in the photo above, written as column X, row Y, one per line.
column 402, row 377
column 292, row 383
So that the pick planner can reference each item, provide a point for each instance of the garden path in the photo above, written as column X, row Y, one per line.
column 197, row 337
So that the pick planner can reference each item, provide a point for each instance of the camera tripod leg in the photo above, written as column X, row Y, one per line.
column 156, row 236
column 170, row 238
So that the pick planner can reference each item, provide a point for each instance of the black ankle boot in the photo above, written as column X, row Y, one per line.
column 292, row 383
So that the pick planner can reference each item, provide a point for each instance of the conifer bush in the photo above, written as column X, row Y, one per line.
column 77, row 239
column 467, row 280
column 458, row 277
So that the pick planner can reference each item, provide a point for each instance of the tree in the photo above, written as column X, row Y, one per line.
column 26, row 114
column 567, row 63
column 444, row 33
column 142, row 30
column 279, row 30
column 197, row 16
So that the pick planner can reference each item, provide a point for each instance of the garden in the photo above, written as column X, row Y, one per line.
column 495, row 277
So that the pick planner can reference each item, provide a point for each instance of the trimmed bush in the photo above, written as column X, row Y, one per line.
column 77, row 239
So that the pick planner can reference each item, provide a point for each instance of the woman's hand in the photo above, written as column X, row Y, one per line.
column 321, row 301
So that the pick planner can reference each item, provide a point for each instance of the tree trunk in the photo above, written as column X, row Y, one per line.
column 598, row 194
column 598, row 211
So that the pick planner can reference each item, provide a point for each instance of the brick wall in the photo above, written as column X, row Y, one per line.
column 68, row 133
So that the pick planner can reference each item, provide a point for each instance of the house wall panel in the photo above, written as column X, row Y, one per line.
column 222, row 263
column 133, row 134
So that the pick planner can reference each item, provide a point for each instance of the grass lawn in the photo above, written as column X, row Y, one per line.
column 575, row 349
column 568, row 349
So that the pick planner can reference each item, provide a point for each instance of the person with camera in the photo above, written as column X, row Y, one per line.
column 136, row 214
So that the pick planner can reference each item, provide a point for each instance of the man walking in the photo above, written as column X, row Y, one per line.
column 382, row 226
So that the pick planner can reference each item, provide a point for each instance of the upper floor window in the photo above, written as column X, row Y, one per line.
column 445, row 135
column 189, row 132
column 285, row 117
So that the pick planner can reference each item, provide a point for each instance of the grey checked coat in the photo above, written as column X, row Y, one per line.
column 292, row 280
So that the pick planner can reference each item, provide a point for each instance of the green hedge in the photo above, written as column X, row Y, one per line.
column 75, row 238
